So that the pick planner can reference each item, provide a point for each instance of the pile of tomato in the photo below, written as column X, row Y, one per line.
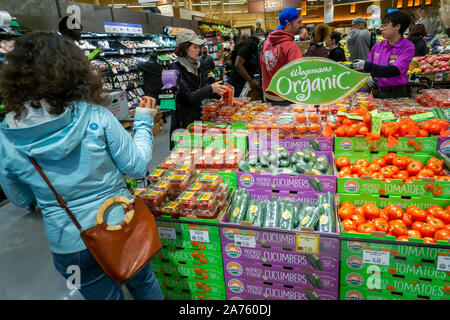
column 392, row 166
column 430, row 225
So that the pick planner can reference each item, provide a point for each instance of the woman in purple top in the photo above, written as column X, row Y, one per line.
column 388, row 61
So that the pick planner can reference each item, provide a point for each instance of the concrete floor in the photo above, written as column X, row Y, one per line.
column 26, row 265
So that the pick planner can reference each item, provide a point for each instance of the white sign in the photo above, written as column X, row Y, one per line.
column 376, row 257
column 244, row 241
column 117, row 27
column 443, row 263
column 375, row 19
column 199, row 235
column 307, row 243
column 167, row 233
column 328, row 11
column 166, row 10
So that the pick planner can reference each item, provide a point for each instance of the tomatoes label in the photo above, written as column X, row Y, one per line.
column 376, row 257
column 443, row 263
column 199, row 235
column 167, row 233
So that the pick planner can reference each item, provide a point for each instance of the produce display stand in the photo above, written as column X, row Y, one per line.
column 377, row 267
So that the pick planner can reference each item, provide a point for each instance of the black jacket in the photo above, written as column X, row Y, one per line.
column 421, row 48
column 317, row 50
column 337, row 54
column 192, row 90
column 151, row 71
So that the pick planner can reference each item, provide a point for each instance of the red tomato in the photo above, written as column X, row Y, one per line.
column 342, row 162
column 414, row 168
column 419, row 215
column 434, row 210
column 442, row 234
column 366, row 228
column 394, row 212
column 400, row 162
column 362, row 162
column 389, row 157
column 356, row 167
column 410, row 209
column 381, row 224
column 397, row 228
column 428, row 230
column 359, row 210
column 386, row 172
column 371, row 210
column 435, row 222
column 402, row 175
column 417, row 225
column 374, row 167
column 348, row 225
column 407, row 219
column 345, row 212
column 377, row 175
column 384, row 215
column 444, row 216
column 380, row 161
column 435, row 167
column 364, row 171
column 402, row 238
column 395, row 170
column 428, row 240
column 358, row 219
column 414, row 234
column 344, row 172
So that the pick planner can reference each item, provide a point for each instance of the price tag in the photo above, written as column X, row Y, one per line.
column 121, row 52
column 244, row 241
column 307, row 243
column 126, row 69
column 167, row 233
column 443, row 263
column 86, row 53
column 379, row 257
column 199, row 235
column 439, row 76
column 114, row 70
column 134, row 51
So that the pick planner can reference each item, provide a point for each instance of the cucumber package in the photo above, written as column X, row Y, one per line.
column 284, row 214
column 280, row 161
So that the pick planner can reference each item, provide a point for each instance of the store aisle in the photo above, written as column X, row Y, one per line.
column 26, row 265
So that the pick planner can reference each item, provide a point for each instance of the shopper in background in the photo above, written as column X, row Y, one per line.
column 317, row 48
column 70, row 28
column 359, row 39
column 336, row 52
column 151, row 71
column 304, row 35
column 192, row 85
column 207, row 62
column 53, row 100
column 389, row 60
column 416, row 36
column 245, row 65
column 280, row 49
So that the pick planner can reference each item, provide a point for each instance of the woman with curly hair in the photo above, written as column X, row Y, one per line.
column 319, row 37
column 53, row 101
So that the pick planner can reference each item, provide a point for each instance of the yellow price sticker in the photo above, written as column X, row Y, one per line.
column 307, row 243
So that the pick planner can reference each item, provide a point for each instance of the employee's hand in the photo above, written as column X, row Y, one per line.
column 358, row 65
column 218, row 88
column 254, row 84
column 371, row 82
column 148, row 102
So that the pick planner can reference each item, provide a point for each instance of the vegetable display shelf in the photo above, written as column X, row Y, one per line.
column 377, row 267
column 367, row 184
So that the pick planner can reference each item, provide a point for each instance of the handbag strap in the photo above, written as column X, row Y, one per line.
column 60, row 200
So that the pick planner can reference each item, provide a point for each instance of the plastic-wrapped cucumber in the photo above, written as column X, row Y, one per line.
column 253, row 159
column 284, row 163
column 311, row 220
column 298, row 209
column 321, row 164
column 238, row 213
column 304, row 211
column 244, row 166
column 264, row 161
column 287, row 216
column 258, row 218
column 327, row 222
column 235, row 205
column 274, row 161
column 251, row 211
column 273, row 214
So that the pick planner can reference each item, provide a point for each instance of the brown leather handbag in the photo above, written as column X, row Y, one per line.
column 120, row 250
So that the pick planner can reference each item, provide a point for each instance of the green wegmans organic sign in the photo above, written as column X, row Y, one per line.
column 316, row 81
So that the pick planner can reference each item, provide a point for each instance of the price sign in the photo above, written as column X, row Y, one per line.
column 199, row 235
column 307, row 243
column 379, row 257
column 443, row 263
column 167, row 233
column 244, row 241
column 439, row 76
column 121, row 52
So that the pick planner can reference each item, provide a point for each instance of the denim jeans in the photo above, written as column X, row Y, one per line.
column 97, row 285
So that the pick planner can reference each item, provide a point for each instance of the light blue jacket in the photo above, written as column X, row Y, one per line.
column 84, row 152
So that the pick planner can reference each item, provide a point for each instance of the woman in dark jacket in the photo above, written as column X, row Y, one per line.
column 317, row 48
column 416, row 36
column 193, row 87
column 336, row 52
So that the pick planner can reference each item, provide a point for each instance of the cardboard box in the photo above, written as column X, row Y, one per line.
column 202, row 273
column 444, row 145
column 118, row 104
column 193, row 286
column 170, row 293
column 260, row 144
column 189, row 256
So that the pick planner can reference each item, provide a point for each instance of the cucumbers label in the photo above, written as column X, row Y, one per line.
column 236, row 212
column 324, row 219
column 307, row 243
column 287, row 214
column 253, row 208
column 244, row 241
column 305, row 220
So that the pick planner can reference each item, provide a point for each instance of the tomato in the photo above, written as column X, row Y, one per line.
column 414, row 167
column 358, row 210
column 364, row 171
column 301, row 117
column 386, row 172
column 395, row 170
column 362, row 162
column 313, row 117
column 384, row 215
column 428, row 240
column 435, row 167
column 371, row 210
column 435, row 222
column 342, row 162
column 442, row 234
column 425, row 172
column 358, row 219
column 363, row 130
column 410, row 209
column 397, row 228
column 400, row 162
column 380, row 161
column 407, row 219
column 394, row 212
column 341, row 131
column 389, row 157
column 366, row 228
column 414, row 234
column 352, row 131
column 381, row 224
column 377, row 175
column 374, row 167
column 344, row 172
column 444, row 216
column 417, row 225
column 345, row 212
column 314, row 128
column 349, row 224
column 435, row 160
column 402, row 175
column 428, row 230
column 437, row 192
column 402, row 238
column 301, row 128
column 434, row 210
column 419, row 215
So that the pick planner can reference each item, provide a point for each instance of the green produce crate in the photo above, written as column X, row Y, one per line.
column 189, row 256
column 193, row 286
column 202, row 273
column 349, row 293
column 343, row 144
column 395, row 186
column 178, row 294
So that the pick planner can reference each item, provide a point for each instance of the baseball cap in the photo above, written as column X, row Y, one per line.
column 358, row 20
column 187, row 35
column 286, row 16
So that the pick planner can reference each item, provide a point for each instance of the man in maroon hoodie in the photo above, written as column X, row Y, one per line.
column 280, row 49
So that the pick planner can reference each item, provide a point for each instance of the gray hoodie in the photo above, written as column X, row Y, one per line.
column 358, row 44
